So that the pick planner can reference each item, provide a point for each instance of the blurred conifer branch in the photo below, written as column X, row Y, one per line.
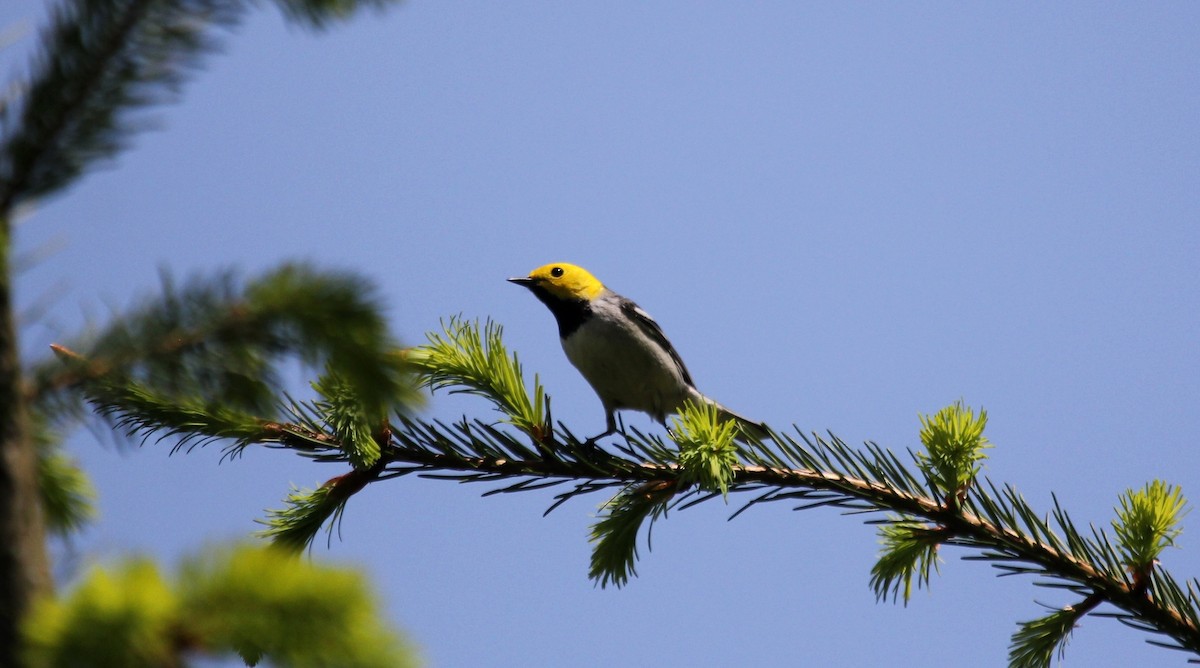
column 99, row 66
column 221, row 341
column 100, row 63
column 251, row 602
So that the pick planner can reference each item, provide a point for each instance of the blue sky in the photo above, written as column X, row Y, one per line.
column 843, row 214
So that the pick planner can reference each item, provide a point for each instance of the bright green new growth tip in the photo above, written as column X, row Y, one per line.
column 954, row 444
column 1147, row 523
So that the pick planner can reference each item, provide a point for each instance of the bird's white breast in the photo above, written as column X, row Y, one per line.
column 624, row 366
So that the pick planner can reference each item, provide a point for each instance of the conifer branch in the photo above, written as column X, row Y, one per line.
column 100, row 62
column 101, row 59
column 934, row 499
column 220, row 340
column 464, row 359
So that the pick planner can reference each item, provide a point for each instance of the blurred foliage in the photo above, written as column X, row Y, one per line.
column 124, row 617
column 258, row 603
column 220, row 340
column 68, row 499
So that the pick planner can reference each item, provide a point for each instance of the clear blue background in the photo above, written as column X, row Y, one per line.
column 843, row 214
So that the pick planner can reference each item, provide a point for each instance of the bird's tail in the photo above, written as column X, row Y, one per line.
column 750, row 428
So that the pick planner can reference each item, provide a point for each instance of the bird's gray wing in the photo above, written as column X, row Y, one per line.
column 652, row 330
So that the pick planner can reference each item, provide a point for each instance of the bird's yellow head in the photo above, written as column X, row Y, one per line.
column 562, row 281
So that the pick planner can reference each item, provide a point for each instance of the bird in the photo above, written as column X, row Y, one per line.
column 618, row 348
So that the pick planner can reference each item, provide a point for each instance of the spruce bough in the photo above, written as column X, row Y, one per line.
column 923, row 502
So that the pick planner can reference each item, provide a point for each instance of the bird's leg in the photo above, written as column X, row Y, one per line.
column 611, row 424
column 592, row 441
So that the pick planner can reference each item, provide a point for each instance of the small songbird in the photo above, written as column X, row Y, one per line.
column 620, row 350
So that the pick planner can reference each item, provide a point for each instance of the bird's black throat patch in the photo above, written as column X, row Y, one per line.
column 570, row 313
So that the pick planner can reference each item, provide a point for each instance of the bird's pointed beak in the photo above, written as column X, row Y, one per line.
column 522, row 280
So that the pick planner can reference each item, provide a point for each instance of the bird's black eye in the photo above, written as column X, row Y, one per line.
column 556, row 272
